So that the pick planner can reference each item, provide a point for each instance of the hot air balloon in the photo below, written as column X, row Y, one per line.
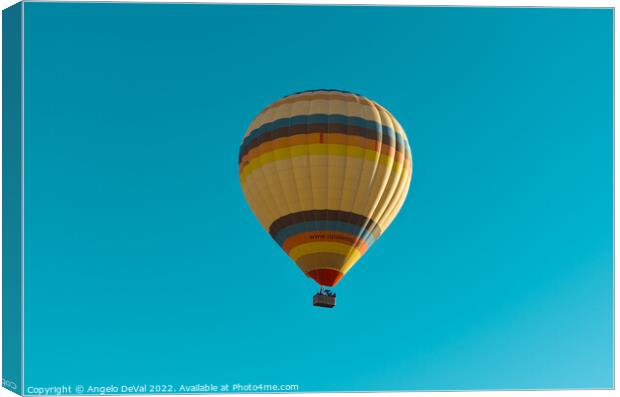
column 325, row 172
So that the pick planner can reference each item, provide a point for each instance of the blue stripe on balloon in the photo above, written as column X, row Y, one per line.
column 321, row 119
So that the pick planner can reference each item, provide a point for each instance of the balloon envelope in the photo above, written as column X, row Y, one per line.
column 325, row 172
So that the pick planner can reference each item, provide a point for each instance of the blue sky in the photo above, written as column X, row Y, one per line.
column 144, row 264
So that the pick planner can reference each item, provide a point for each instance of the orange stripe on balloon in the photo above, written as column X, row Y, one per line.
column 324, row 236
column 323, row 95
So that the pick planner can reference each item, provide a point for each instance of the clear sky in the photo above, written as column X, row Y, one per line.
column 144, row 264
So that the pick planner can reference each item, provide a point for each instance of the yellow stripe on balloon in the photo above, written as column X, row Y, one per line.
column 318, row 247
column 316, row 150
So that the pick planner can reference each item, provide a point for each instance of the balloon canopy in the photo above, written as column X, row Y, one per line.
column 325, row 172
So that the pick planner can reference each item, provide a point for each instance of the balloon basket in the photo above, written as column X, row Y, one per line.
column 322, row 300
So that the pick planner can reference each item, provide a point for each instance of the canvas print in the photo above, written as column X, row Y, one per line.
column 237, row 198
